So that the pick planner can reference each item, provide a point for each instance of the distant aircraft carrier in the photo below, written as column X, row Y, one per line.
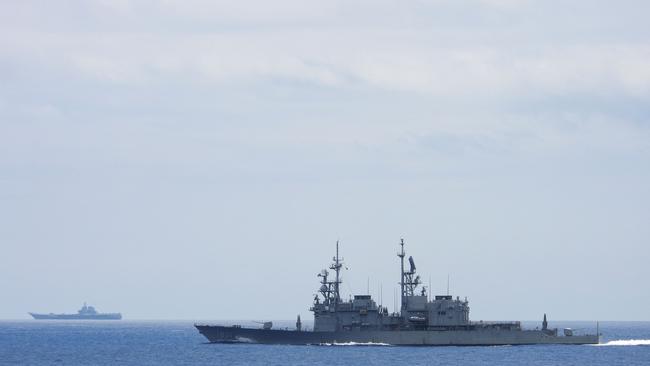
column 85, row 313
column 441, row 321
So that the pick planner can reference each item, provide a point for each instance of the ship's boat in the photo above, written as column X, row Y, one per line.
column 437, row 321
column 85, row 313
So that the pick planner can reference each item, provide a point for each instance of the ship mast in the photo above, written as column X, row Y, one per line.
column 330, row 290
column 336, row 266
column 407, row 282
column 401, row 282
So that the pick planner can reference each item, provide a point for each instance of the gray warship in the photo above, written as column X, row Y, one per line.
column 85, row 313
column 439, row 321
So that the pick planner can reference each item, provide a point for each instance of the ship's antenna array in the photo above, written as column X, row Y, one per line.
column 401, row 255
column 330, row 290
column 447, row 284
column 337, row 267
column 408, row 283
column 395, row 300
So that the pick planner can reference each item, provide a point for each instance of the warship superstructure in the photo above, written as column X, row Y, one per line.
column 441, row 320
column 85, row 313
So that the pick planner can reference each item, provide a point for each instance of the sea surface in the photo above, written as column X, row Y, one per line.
column 126, row 342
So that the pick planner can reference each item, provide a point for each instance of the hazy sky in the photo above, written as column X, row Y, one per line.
column 199, row 159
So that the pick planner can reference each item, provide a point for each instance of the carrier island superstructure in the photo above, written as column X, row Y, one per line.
column 441, row 320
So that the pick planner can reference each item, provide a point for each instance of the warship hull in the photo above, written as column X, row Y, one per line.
column 485, row 337
column 108, row 316
column 420, row 320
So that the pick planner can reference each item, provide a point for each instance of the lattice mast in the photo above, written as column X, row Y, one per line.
column 331, row 289
column 408, row 283
column 336, row 266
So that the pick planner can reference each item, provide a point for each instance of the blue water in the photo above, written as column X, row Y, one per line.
column 178, row 343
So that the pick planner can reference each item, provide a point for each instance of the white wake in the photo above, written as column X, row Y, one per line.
column 626, row 342
column 355, row 344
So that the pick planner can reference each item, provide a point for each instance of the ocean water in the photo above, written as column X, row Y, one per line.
column 178, row 343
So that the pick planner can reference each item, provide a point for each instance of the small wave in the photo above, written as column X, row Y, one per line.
column 355, row 344
column 626, row 342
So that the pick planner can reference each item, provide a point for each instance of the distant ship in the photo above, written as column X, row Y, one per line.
column 85, row 313
column 421, row 320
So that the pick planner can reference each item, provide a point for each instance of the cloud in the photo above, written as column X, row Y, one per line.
column 476, row 73
column 439, row 48
column 406, row 61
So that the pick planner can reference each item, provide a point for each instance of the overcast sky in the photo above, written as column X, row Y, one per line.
column 199, row 159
